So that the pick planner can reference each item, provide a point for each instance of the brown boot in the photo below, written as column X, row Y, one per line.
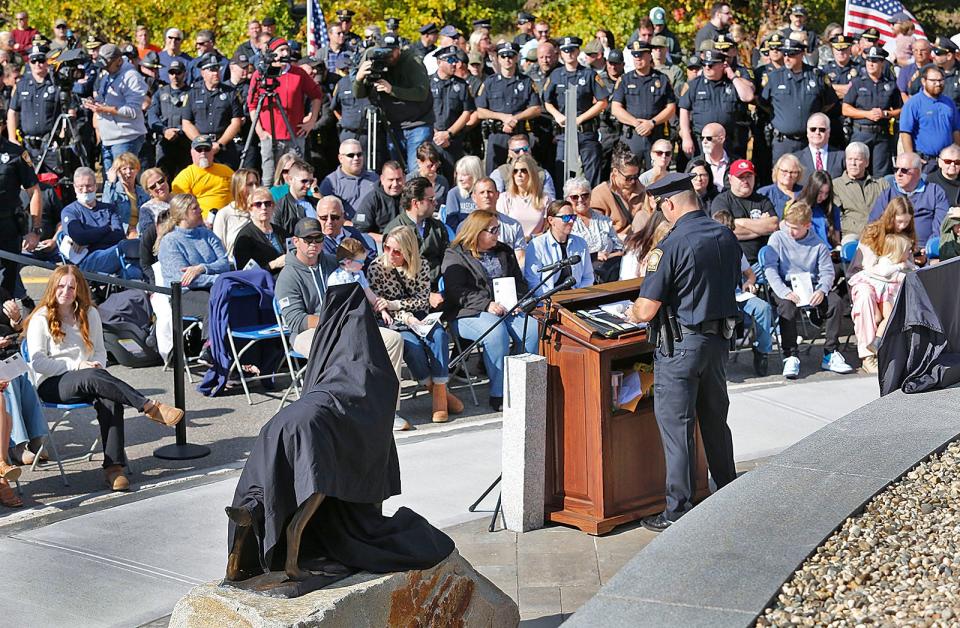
column 162, row 413
column 116, row 479
column 454, row 405
column 440, row 414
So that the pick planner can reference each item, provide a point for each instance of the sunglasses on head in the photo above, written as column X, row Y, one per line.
column 567, row 218
column 262, row 204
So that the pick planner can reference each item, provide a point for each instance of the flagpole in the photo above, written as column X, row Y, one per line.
column 311, row 36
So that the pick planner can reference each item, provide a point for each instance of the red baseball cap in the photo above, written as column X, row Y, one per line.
column 741, row 167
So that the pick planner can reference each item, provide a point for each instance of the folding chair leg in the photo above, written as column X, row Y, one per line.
column 239, row 367
column 56, row 455
column 466, row 369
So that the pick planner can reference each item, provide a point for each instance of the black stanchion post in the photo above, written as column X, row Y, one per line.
column 181, row 450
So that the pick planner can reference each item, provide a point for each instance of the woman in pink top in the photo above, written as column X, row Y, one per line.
column 525, row 200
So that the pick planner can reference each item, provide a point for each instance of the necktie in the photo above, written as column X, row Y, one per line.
column 819, row 164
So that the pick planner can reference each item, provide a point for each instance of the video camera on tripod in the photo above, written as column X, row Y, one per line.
column 378, row 69
column 67, row 67
column 269, row 70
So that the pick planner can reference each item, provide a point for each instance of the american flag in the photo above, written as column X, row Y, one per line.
column 317, row 37
column 862, row 14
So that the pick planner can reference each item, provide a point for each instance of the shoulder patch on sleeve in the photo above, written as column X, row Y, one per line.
column 685, row 88
column 653, row 261
column 284, row 302
column 26, row 158
column 765, row 79
column 826, row 80
column 480, row 91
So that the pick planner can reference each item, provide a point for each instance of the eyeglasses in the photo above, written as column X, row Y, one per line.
column 156, row 184
column 629, row 177
column 174, row 38
column 567, row 218
column 59, row 26
column 701, row 175
column 304, row 181
column 329, row 217
column 202, row 149
column 450, row 60
column 662, row 153
column 349, row 156
column 521, row 170
column 817, row 129
column 38, row 61
column 933, row 80
column 578, row 197
column 520, row 149
column 951, row 162
column 904, row 170
column 494, row 230
column 795, row 173
column 313, row 239
column 708, row 138
column 539, row 32
column 262, row 204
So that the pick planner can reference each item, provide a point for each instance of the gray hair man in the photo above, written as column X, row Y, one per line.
column 855, row 191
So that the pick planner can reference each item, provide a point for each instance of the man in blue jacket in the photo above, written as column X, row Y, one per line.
column 929, row 201
column 98, row 241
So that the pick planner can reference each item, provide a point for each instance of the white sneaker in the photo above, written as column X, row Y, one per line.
column 791, row 367
column 835, row 363
column 400, row 424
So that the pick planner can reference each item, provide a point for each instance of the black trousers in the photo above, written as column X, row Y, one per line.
column 108, row 396
column 691, row 386
column 12, row 242
column 830, row 310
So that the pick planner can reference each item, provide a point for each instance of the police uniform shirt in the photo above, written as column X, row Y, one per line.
column 351, row 108
column 212, row 111
column 451, row 97
column 419, row 49
column 590, row 88
column 15, row 173
column 794, row 96
column 695, row 270
column 37, row 105
column 843, row 74
column 167, row 108
column 866, row 94
column 507, row 95
column 644, row 96
column 711, row 101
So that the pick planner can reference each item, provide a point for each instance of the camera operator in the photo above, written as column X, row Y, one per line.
column 213, row 109
column 34, row 106
column 397, row 82
column 293, row 86
column 118, row 106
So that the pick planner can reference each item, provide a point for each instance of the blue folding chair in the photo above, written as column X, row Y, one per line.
column 933, row 247
column 293, row 355
column 65, row 408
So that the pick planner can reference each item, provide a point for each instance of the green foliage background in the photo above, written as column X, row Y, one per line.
column 116, row 20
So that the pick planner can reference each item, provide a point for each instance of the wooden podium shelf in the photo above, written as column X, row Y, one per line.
column 605, row 467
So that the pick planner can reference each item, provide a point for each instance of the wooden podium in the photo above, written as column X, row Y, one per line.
column 605, row 467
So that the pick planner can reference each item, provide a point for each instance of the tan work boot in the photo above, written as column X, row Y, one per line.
column 116, row 479
column 870, row 364
column 440, row 414
column 454, row 405
column 162, row 413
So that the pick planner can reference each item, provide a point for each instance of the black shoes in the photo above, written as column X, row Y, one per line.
column 759, row 363
column 656, row 523
column 496, row 403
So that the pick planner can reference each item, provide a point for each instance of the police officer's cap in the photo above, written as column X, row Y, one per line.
column 240, row 58
column 659, row 41
column 151, row 60
column 482, row 23
column 345, row 15
column 176, row 67
column 841, row 42
column 202, row 141
column 447, row 52
column 638, row 47
column 92, row 43
column 462, row 56
column 209, row 61
column 523, row 17
column 875, row 53
column 615, row 57
column 570, row 42
column 944, row 45
column 694, row 62
column 429, row 29
column 393, row 23
column 798, row 9
column 39, row 53
column 342, row 64
column 130, row 51
column 269, row 21
column 711, row 57
column 723, row 42
column 391, row 40
column 774, row 41
column 871, row 34
column 450, row 31
column 673, row 183
column 791, row 46
column 507, row 49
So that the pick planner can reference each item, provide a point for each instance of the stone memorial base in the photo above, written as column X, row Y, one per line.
column 451, row 594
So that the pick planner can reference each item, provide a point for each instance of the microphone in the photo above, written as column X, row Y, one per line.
column 573, row 260
column 531, row 302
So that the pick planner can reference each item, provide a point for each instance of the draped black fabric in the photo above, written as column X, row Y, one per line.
column 336, row 440
column 920, row 350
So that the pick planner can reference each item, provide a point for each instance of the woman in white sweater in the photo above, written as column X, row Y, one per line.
column 65, row 348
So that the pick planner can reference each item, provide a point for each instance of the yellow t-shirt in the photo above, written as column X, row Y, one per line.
column 211, row 186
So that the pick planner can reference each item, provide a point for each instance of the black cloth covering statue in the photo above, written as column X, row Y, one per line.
column 336, row 440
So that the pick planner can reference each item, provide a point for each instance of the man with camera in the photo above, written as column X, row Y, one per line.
column 397, row 84
column 34, row 106
column 292, row 87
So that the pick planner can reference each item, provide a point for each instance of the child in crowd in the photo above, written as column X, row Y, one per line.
column 351, row 256
column 903, row 42
column 886, row 276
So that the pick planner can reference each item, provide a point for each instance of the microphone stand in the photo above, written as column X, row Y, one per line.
column 525, row 304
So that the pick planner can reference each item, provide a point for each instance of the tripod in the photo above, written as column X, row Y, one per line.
column 377, row 124
column 271, row 99
column 65, row 125
column 526, row 305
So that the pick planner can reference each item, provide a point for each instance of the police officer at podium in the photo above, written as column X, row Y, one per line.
column 687, row 296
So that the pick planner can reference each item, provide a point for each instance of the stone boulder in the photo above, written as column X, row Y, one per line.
column 451, row 594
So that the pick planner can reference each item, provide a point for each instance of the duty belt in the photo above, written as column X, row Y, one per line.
column 707, row 328
column 35, row 139
column 796, row 138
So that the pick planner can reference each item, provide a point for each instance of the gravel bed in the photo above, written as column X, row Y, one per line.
column 896, row 564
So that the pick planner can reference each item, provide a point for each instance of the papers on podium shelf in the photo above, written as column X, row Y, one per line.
column 505, row 291
column 802, row 286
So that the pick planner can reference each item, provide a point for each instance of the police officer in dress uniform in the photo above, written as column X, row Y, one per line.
column 841, row 70
column 688, row 297
column 792, row 94
column 592, row 95
column 34, row 107
column 18, row 231
column 717, row 95
column 164, row 120
column 945, row 56
column 762, row 131
column 213, row 108
column 505, row 102
column 873, row 103
column 452, row 106
column 644, row 103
